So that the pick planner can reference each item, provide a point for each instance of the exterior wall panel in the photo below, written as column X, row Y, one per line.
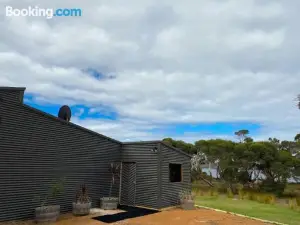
column 147, row 172
column 11, row 95
column 170, row 191
column 35, row 149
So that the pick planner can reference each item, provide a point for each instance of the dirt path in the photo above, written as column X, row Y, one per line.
column 171, row 217
column 193, row 217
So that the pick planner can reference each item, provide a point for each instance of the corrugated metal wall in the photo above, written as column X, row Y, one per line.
column 11, row 95
column 147, row 172
column 128, row 183
column 35, row 149
column 170, row 191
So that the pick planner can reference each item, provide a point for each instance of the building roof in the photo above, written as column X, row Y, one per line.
column 161, row 142
column 85, row 129
column 12, row 88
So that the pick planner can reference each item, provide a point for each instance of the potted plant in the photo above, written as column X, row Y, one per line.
column 49, row 213
column 186, row 199
column 82, row 205
column 111, row 202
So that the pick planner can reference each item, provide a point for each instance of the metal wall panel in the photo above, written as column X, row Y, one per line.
column 146, row 172
column 11, row 94
column 128, row 184
column 36, row 148
column 170, row 191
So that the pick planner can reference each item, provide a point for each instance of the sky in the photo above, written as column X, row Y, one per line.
column 146, row 69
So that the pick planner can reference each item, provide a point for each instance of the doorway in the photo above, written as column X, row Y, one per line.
column 128, row 183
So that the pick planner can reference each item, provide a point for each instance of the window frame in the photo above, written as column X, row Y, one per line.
column 181, row 172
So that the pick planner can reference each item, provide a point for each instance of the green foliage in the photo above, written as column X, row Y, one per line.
column 229, row 193
column 265, row 165
column 292, row 204
column 270, row 186
column 240, row 189
column 55, row 189
column 297, row 137
column 298, row 201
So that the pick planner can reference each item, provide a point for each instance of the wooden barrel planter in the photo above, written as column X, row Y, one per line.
column 47, row 214
column 81, row 209
column 187, row 204
column 109, row 203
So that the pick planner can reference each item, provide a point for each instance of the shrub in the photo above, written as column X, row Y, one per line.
column 240, row 189
column 270, row 186
column 56, row 188
column 260, row 197
column 298, row 201
column 229, row 193
column 270, row 199
column 82, row 195
column 292, row 204
column 211, row 192
column 251, row 196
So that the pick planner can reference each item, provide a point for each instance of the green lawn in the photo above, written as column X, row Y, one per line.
column 251, row 208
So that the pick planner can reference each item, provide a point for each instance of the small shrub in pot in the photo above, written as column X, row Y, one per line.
column 49, row 213
column 82, row 205
column 186, row 199
column 111, row 202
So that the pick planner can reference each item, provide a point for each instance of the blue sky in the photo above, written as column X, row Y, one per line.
column 173, row 130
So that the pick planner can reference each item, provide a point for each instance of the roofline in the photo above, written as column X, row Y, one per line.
column 141, row 142
column 176, row 149
column 158, row 142
column 12, row 88
column 69, row 123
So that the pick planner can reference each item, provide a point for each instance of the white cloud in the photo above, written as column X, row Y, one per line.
column 173, row 62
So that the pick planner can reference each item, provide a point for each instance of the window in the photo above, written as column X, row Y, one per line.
column 175, row 172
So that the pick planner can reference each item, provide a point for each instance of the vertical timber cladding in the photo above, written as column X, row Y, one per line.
column 146, row 171
column 36, row 148
column 169, row 190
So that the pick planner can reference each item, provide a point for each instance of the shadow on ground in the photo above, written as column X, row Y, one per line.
column 130, row 212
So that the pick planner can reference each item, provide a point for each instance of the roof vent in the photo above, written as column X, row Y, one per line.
column 64, row 113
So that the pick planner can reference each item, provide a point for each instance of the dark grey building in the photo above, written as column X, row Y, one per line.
column 36, row 147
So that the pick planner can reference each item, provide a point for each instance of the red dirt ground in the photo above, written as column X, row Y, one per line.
column 170, row 217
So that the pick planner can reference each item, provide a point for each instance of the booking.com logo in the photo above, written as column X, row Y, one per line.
column 42, row 12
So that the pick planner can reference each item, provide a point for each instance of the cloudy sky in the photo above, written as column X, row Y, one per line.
column 147, row 69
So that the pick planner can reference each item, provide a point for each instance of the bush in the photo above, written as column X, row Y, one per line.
column 298, row 201
column 292, row 204
column 250, row 196
column 229, row 193
column 270, row 186
column 240, row 189
column 270, row 199
column 211, row 192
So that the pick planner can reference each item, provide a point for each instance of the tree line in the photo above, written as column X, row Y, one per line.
column 268, row 164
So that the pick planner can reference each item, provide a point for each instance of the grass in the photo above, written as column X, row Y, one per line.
column 276, row 213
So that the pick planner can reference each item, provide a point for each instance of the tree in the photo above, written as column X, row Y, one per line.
column 297, row 138
column 186, row 147
column 241, row 134
column 196, row 171
column 248, row 140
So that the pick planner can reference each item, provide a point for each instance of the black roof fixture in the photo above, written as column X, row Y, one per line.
column 154, row 149
column 64, row 113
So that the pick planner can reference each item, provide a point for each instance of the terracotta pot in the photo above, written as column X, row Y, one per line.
column 47, row 213
column 81, row 209
column 109, row 203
